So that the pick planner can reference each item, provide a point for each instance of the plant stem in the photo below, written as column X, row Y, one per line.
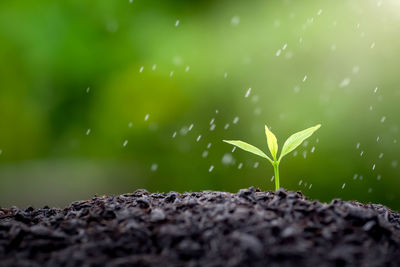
column 276, row 171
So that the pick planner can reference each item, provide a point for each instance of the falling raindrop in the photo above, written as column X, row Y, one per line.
column 305, row 154
column 146, row 117
column 383, row 119
column 125, row 143
column 1, row 152
column 88, row 90
column 141, row 69
column 345, row 82
column 343, row 185
column 369, row 190
column 235, row 120
column 358, row 145
column 225, row 75
column 272, row 178
column 154, row 67
column 310, row 186
column 305, row 78
column 372, row 45
column 377, row 139
column 296, row 89
column 395, row 163
column 375, row 90
column 355, row 69
column 209, row 145
column 174, row 134
column 313, row 149
column 191, row 126
column 204, row 154
column 278, row 53
column 227, row 159
column 212, row 127
column 216, row 111
column 233, row 149
column 198, row 138
column 305, row 143
column 379, row 177
column 88, row 131
column 380, row 155
column 256, row 165
column 355, row 176
column 247, row 93
column 240, row 165
column 211, row 168
column 235, row 20
column 130, row 124
column 171, row 73
column 226, row 126
column 130, row 1
column 361, row 177
column 212, row 121
column 373, row 167
column 362, row 153
column 177, row 23
column 300, row 182
column 187, row 68
column 284, row 46
column 154, row 167
column 370, row 108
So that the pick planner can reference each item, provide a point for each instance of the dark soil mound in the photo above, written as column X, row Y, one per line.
column 250, row 228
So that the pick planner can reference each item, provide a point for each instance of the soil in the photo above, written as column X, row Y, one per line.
column 249, row 228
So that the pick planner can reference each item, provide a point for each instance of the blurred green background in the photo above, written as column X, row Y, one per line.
column 105, row 97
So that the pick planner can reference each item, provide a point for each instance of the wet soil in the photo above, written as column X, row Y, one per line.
column 249, row 228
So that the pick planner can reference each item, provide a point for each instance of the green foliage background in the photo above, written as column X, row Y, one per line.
column 52, row 51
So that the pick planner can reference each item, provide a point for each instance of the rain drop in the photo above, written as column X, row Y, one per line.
column 313, row 149
column 146, row 117
column 187, row 68
column 88, row 90
column 343, row 185
column 233, row 149
column 204, row 154
column 154, row 167
column 380, row 155
column 209, row 145
column 171, row 73
column 383, row 119
column 212, row 128
column 256, row 165
column 235, row 120
column 247, row 93
column 345, row 82
column 177, row 23
column 310, row 186
column 373, row 167
column 375, row 90
column 174, row 134
column 141, row 69
column 358, row 145
column 191, row 126
column 235, row 20
column 130, row 124
column 319, row 12
column 125, row 143
column 240, row 165
column 278, row 53
column 379, row 177
column 372, row 45
column 227, row 159
column 300, row 182
column 225, row 75
column 211, row 168
column 88, row 131
column 212, row 121
column 305, row 78
column 198, row 138
column 226, row 126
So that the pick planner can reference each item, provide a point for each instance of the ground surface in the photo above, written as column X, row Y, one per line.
column 250, row 228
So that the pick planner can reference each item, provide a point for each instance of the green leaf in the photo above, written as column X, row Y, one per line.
column 296, row 139
column 272, row 142
column 247, row 147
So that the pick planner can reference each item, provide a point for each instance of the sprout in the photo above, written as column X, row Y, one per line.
column 290, row 144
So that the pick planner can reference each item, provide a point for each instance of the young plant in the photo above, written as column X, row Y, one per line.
column 290, row 144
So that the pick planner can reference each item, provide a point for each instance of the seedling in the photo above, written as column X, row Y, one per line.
column 290, row 144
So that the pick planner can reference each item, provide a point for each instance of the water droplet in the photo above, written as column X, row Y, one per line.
column 233, row 149
column 198, row 138
column 226, row 126
column 88, row 131
column 372, row 45
column 272, row 178
column 247, row 93
column 235, row 120
column 212, row 128
column 313, row 149
column 171, row 74
column 361, row 177
column 319, row 12
column 216, row 111
column 395, row 163
column 305, row 143
column 345, row 82
column 235, row 20
column 225, row 75
column 1, row 152
column 191, row 126
column 343, row 185
column 355, row 69
column 310, row 186
column 146, row 117
column 379, row 177
column 370, row 108
column 154, row 67
column 358, row 145
column 355, row 176
column 125, row 143
column 187, row 68
column 300, row 182
column 375, row 90
column 174, row 134
column 380, row 155
column 256, row 165
column 211, row 168
column 130, row 1
column 205, row 154
column 296, row 89
column 305, row 154
column 209, row 145
column 177, row 23
column 212, row 121
column 369, row 190
column 284, row 46
column 88, row 90
column 154, row 167
column 141, row 69
column 130, row 124
column 362, row 153
column 278, row 52
column 227, row 159
column 240, row 165
column 295, row 153
column 373, row 167
column 377, row 139
column 383, row 119
column 305, row 78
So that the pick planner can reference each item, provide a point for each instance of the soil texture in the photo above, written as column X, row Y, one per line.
column 249, row 228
